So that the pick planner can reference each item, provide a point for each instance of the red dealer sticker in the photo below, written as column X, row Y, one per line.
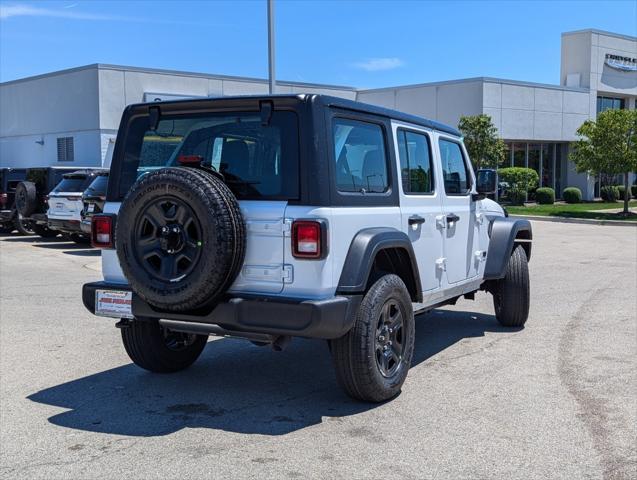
column 114, row 303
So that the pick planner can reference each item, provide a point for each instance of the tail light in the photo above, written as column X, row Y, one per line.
column 309, row 239
column 102, row 231
column 190, row 159
column 3, row 199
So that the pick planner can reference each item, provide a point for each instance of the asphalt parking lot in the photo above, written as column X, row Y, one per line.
column 557, row 399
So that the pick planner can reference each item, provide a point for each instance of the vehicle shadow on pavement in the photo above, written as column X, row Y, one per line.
column 63, row 244
column 33, row 239
column 237, row 387
column 83, row 251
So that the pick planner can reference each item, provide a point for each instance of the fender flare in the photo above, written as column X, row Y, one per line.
column 361, row 255
column 503, row 234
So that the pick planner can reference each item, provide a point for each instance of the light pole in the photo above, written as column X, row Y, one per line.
column 271, row 46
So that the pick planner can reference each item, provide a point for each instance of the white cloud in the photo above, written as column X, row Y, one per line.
column 18, row 10
column 377, row 64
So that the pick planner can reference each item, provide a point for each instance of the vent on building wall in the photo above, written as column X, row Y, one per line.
column 65, row 149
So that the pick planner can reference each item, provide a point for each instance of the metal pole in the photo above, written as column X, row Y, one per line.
column 271, row 46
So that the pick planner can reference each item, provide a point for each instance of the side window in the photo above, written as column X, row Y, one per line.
column 454, row 168
column 361, row 161
column 415, row 162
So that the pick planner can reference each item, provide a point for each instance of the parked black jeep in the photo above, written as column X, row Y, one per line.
column 9, row 179
column 31, row 196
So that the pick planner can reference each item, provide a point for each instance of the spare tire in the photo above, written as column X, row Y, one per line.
column 26, row 198
column 180, row 238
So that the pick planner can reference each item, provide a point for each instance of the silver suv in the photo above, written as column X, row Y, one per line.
column 271, row 217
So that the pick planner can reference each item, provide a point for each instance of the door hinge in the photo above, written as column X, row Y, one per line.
column 441, row 263
column 287, row 274
column 481, row 255
column 441, row 221
column 286, row 227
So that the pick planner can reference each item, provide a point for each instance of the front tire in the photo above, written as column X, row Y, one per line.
column 511, row 295
column 373, row 358
column 157, row 349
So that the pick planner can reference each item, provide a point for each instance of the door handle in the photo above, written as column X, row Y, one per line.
column 452, row 218
column 416, row 220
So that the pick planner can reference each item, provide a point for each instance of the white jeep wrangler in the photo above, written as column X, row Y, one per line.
column 271, row 217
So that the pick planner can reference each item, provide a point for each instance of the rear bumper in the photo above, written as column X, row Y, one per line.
column 66, row 226
column 7, row 215
column 330, row 318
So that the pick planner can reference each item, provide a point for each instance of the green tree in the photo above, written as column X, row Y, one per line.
column 608, row 145
column 485, row 148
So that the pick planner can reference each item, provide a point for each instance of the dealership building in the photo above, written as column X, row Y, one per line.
column 71, row 117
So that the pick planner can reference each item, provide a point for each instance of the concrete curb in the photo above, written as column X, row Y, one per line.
column 581, row 221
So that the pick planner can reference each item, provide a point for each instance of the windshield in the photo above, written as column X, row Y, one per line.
column 97, row 186
column 74, row 184
column 257, row 161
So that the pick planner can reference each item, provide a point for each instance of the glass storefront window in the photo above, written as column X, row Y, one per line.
column 507, row 157
column 547, row 165
column 534, row 157
column 610, row 103
column 519, row 154
column 558, row 170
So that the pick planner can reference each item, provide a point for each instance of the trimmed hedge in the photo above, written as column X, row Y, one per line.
column 621, row 192
column 545, row 196
column 572, row 195
column 633, row 190
column 609, row 193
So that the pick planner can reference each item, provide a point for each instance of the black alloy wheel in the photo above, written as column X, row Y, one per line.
column 168, row 239
column 389, row 339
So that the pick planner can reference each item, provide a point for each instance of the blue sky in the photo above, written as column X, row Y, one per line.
column 357, row 43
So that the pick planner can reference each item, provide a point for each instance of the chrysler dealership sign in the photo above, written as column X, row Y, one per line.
column 618, row 62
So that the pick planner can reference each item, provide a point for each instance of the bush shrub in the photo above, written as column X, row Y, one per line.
column 633, row 190
column 516, row 196
column 545, row 196
column 621, row 192
column 572, row 195
column 609, row 193
column 520, row 181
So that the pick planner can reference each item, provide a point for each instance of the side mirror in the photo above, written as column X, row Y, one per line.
column 486, row 181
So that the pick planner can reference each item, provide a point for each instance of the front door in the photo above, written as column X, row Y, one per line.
column 459, row 216
column 420, row 202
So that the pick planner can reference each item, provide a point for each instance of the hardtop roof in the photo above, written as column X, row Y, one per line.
column 325, row 100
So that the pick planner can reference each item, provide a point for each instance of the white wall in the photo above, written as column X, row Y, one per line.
column 443, row 102
column 530, row 112
column 120, row 87
column 23, row 151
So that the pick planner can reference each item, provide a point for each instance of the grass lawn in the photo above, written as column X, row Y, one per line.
column 576, row 210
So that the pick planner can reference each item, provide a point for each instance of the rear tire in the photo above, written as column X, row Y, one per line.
column 157, row 349
column 511, row 295
column 44, row 231
column 180, row 238
column 372, row 360
column 26, row 198
column 24, row 227
column 80, row 239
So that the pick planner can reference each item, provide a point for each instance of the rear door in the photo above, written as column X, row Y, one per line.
column 65, row 200
column 459, row 216
column 420, row 202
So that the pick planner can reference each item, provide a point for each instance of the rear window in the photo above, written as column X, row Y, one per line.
column 257, row 161
column 74, row 184
column 97, row 186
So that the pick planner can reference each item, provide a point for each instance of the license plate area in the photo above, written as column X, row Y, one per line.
column 114, row 303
